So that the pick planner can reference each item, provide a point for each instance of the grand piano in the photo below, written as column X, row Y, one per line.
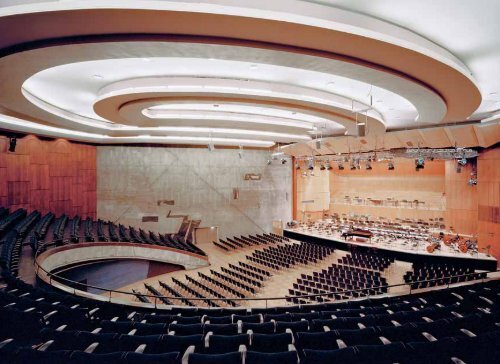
column 367, row 234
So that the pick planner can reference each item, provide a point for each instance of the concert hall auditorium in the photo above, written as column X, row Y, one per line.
column 249, row 181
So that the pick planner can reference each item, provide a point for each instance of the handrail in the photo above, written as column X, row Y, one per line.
column 51, row 275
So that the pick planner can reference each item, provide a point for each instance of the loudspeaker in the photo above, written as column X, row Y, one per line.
column 361, row 129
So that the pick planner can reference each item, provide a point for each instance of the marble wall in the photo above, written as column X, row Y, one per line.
column 133, row 182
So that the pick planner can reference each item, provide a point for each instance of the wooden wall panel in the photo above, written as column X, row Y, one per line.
column 488, row 190
column 461, row 200
column 45, row 176
column 402, row 183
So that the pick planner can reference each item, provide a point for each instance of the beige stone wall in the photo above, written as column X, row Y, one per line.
column 132, row 180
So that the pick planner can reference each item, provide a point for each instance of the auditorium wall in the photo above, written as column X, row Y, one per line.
column 488, row 197
column 48, row 175
column 165, row 184
column 461, row 200
column 370, row 192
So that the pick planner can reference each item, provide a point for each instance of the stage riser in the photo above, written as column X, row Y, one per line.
column 479, row 264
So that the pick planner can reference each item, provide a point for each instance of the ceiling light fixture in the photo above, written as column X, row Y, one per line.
column 419, row 164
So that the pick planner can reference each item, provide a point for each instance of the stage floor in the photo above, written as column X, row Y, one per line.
column 397, row 246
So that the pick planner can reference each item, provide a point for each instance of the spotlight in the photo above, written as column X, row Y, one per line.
column 329, row 166
column 283, row 161
column 297, row 166
column 390, row 166
column 269, row 161
column 341, row 166
column 462, row 161
column 310, row 165
column 419, row 163
column 368, row 166
column 472, row 181
column 304, row 174
column 12, row 144
column 352, row 167
column 322, row 167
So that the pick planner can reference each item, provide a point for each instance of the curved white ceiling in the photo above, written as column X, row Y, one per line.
column 467, row 29
column 242, row 95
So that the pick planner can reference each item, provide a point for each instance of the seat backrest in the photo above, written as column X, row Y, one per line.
column 132, row 342
column 219, row 344
column 81, row 357
column 278, row 317
column 187, row 320
column 218, row 319
column 340, row 356
column 228, row 358
column 271, row 343
column 260, row 328
column 285, row 357
column 190, row 329
column 138, row 358
column 248, row 318
column 221, row 329
column 295, row 326
column 316, row 340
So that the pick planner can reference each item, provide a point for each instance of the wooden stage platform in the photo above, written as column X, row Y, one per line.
column 399, row 249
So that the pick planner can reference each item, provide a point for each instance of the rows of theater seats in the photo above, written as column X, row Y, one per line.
column 436, row 273
column 235, row 281
column 339, row 279
column 236, row 242
column 41, row 232
column 460, row 325
column 374, row 260
column 288, row 255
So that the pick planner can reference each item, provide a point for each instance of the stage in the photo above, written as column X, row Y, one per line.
column 399, row 249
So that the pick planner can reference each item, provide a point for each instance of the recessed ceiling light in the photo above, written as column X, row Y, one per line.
column 211, row 59
column 331, row 83
column 99, row 77
column 253, row 66
column 146, row 59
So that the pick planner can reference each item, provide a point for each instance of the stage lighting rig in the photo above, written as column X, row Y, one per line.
column 310, row 164
column 419, row 163
column 12, row 144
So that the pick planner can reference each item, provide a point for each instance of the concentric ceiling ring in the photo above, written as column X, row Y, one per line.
column 428, row 77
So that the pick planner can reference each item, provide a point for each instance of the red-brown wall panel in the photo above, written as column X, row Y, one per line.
column 48, row 176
